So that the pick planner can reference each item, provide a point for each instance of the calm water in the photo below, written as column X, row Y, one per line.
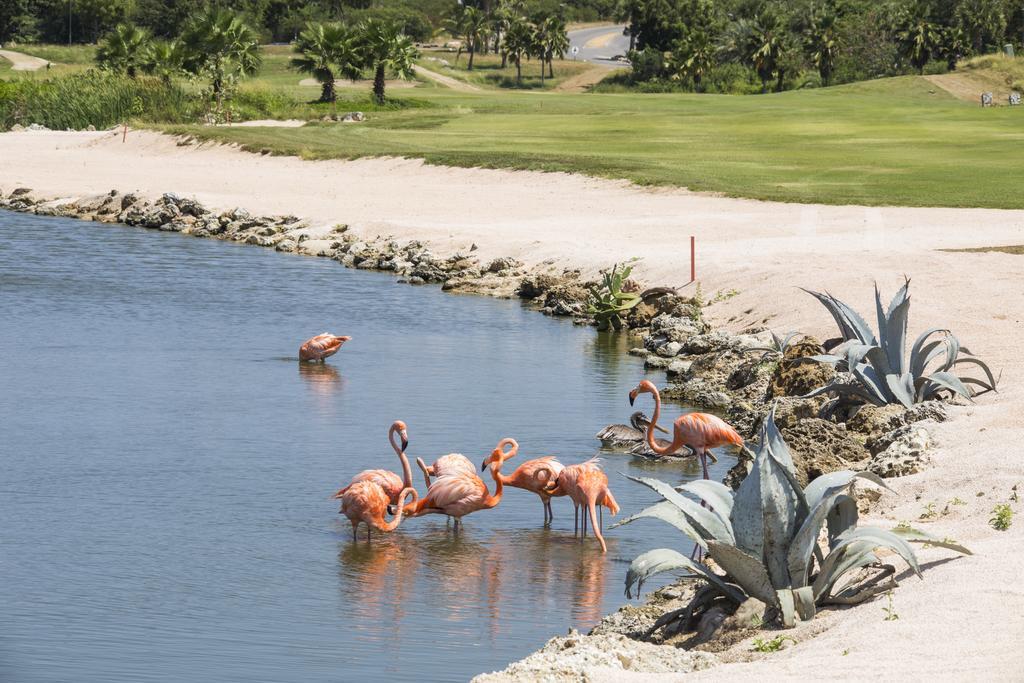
column 166, row 466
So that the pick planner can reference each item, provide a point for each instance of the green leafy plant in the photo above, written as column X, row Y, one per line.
column 609, row 300
column 1002, row 517
column 764, row 536
column 957, row 501
column 890, row 609
column 882, row 371
column 929, row 512
column 771, row 644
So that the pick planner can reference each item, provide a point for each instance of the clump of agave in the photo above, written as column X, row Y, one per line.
column 882, row 371
column 779, row 345
column 612, row 299
column 765, row 537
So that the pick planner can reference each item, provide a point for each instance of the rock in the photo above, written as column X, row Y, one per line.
column 669, row 350
column 750, row 615
column 91, row 128
column 641, row 315
column 795, row 376
column 707, row 343
column 907, row 453
column 499, row 265
column 872, row 421
column 697, row 392
column 678, row 367
column 17, row 128
column 20, row 192
column 534, row 286
column 655, row 362
column 353, row 117
column 819, row 447
column 667, row 328
column 568, row 298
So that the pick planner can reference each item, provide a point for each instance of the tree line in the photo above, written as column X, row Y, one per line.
column 688, row 42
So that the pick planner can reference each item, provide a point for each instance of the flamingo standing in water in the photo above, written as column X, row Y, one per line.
column 366, row 502
column 459, row 493
column 587, row 486
column 321, row 347
column 525, row 476
column 700, row 432
column 445, row 465
column 390, row 482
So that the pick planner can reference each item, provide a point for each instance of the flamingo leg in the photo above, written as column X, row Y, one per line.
column 584, row 523
column 576, row 520
column 368, row 536
column 600, row 514
column 355, row 525
column 704, row 462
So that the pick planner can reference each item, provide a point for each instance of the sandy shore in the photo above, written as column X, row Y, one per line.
column 966, row 618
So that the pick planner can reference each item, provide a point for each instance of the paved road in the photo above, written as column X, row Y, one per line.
column 600, row 45
column 23, row 62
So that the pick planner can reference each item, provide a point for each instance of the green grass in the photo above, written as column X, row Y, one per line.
column 897, row 141
column 488, row 73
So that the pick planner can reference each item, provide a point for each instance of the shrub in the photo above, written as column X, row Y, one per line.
column 765, row 538
column 91, row 98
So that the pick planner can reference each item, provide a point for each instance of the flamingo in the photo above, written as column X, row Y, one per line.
column 459, row 493
column 624, row 436
column 446, row 464
column 586, row 485
column 367, row 502
column 390, row 482
column 524, row 476
column 699, row 432
column 321, row 347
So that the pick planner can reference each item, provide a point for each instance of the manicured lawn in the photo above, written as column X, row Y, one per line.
column 897, row 141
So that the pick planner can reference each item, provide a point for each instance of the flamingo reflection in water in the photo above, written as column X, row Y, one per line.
column 323, row 379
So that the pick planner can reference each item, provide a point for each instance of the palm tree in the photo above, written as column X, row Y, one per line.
column 770, row 43
column 327, row 51
column 474, row 21
column 821, row 40
column 221, row 47
column 164, row 58
column 954, row 46
column 918, row 39
column 554, row 39
column 123, row 49
column 385, row 48
column 693, row 57
column 518, row 42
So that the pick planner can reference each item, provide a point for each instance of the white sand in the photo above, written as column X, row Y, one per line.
column 966, row 618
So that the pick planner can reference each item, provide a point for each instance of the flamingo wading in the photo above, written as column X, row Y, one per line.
column 321, row 347
column 458, row 494
column 366, row 502
column 587, row 487
column 525, row 476
column 700, row 432
column 390, row 482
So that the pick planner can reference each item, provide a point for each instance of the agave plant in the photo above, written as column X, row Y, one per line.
column 882, row 371
column 765, row 538
column 609, row 301
column 778, row 347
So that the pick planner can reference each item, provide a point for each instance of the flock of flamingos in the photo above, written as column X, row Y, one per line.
column 454, row 488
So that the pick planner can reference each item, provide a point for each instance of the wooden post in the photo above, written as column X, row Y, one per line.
column 693, row 258
column 124, row 135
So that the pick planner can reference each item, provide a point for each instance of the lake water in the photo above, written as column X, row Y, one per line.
column 167, row 466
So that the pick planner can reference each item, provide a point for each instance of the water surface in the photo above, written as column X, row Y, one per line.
column 167, row 464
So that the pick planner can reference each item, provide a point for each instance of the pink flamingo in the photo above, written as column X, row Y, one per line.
column 458, row 494
column 366, row 502
column 525, row 476
column 700, row 432
column 321, row 347
column 445, row 465
column 586, row 485
column 390, row 482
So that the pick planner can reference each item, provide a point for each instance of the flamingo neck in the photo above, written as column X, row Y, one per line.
column 499, row 487
column 397, row 519
column 650, row 426
column 406, row 470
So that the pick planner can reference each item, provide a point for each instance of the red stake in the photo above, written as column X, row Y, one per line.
column 693, row 258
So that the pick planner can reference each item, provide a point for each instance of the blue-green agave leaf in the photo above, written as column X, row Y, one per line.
column 663, row 560
column 804, row 601
column 787, row 607
column 841, row 518
column 707, row 523
column 745, row 570
column 913, row 535
column 714, row 493
column 841, row 560
column 817, row 488
column 946, row 380
column 667, row 512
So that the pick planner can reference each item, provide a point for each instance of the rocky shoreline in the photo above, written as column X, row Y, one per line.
column 739, row 376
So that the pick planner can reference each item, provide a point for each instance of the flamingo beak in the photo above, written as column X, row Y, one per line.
column 483, row 465
column 632, row 397
column 392, row 509
column 405, row 442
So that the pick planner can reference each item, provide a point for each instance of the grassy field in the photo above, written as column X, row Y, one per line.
column 898, row 141
column 488, row 73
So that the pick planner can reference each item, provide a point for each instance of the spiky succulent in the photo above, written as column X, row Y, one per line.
column 778, row 347
column 765, row 536
column 882, row 371
column 609, row 301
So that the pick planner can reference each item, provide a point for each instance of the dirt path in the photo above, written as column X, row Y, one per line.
column 23, row 62
column 968, row 86
column 582, row 81
column 447, row 81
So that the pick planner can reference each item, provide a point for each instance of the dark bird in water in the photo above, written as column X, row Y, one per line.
column 626, row 436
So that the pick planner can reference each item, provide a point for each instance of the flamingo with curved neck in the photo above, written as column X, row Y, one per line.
column 525, row 476
column 700, row 432
column 366, row 502
column 386, row 479
column 587, row 487
column 459, row 494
